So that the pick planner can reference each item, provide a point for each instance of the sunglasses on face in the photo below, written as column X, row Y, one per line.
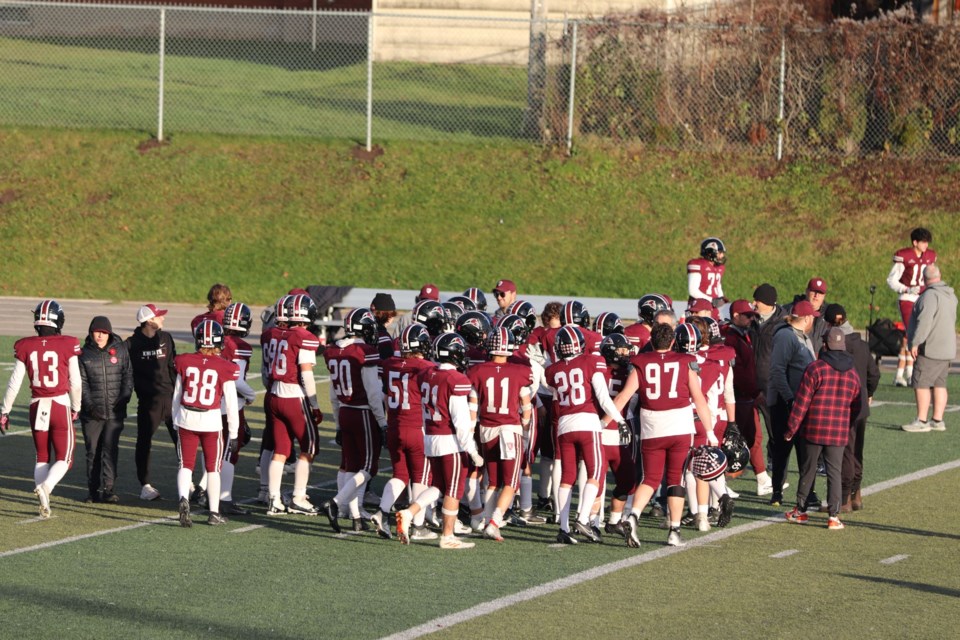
column 499, row 294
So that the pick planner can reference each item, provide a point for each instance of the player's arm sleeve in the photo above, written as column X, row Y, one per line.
column 335, row 403
column 893, row 278
column 13, row 386
column 244, row 388
column 171, row 365
column 693, row 286
column 264, row 369
column 177, row 397
column 309, row 385
column 374, row 389
column 460, row 417
column 728, row 396
column 233, row 413
column 76, row 384
column 602, row 394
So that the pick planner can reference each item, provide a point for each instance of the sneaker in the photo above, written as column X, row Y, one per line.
column 360, row 525
column 765, row 489
column 332, row 510
column 231, row 508
column 937, row 425
column 404, row 518
column 199, row 498
column 215, row 518
column 674, row 539
column 776, row 499
column 423, row 533
column 834, row 524
column 453, row 542
column 614, row 529
column 382, row 531
column 565, row 537
column 461, row 529
column 900, row 382
column 702, row 521
column 688, row 519
column 276, row 507
column 630, row 532
column 587, row 532
column 149, row 493
column 184, row 512
column 492, row 532
column 917, row 426
column 44, row 498
column 263, row 496
column 303, row 507
column 796, row 516
column 725, row 510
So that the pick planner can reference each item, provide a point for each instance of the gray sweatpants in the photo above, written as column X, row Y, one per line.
column 833, row 459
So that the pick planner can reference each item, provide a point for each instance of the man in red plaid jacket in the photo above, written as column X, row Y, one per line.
column 829, row 399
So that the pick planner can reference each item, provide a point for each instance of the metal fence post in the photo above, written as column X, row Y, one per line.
column 163, row 28
column 370, row 82
column 573, row 86
column 313, row 27
column 783, row 75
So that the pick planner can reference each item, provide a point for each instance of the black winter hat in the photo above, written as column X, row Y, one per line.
column 101, row 323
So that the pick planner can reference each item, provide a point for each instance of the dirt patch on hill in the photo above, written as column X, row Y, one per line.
column 9, row 196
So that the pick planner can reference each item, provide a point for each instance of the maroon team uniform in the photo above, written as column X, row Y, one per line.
column 573, row 394
column 401, row 379
column 637, row 335
column 236, row 348
column 711, row 276
column 290, row 417
column 201, row 389
column 912, row 275
column 449, row 468
column 359, row 431
column 621, row 459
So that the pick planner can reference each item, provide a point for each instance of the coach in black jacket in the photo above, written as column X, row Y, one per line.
column 769, row 318
column 107, row 379
column 866, row 367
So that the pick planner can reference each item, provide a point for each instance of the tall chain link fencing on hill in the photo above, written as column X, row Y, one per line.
column 848, row 90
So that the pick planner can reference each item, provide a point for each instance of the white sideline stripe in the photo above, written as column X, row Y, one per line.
column 894, row 559
column 784, row 554
column 252, row 527
column 492, row 606
column 32, row 520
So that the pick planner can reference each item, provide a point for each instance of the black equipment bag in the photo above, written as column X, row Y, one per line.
column 885, row 338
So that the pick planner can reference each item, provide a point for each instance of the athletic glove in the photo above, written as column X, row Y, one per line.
column 317, row 416
column 4, row 423
column 477, row 459
column 245, row 433
column 234, row 446
column 338, row 438
column 625, row 435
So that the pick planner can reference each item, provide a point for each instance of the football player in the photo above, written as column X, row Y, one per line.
column 544, row 338
column 666, row 381
column 906, row 278
column 639, row 332
column 400, row 375
column 293, row 408
column 357, row 397
column 575, row 313
column 218, row 299
column 579, row 387
column 705, row 274
column 204, row 379
column 51, row 363
column 267, row 340
column 500, row 398
column 448, row 440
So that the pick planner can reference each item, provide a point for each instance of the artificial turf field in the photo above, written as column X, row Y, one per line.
column 291, row 577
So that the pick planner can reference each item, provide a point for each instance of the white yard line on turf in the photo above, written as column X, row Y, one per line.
column 492, row 606
column 252, row 527
column 894, row 559
column 784, row 554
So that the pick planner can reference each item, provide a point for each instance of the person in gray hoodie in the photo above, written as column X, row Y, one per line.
column 932, row 340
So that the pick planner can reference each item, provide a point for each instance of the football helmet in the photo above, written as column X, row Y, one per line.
column 500, row 342
column 713, row 330
column 474, row 326
column 415, row 339
column 430, row 314
column 711, row 248
column 450, row 348
column 616, row 349
column 687, row 338
column 526, row 311
column 301, row 309
column 280, row 310
column 649, row 304
column 360, row 323
column 515, row 325
column 238, row 317
column 607, row 323
column 479, row 300
column 569, row 341
column 208, row 335
column 452, row 309
column 575, row 313
column 707, row 463
column 49, row 313
column 735, row 448
column 466, row 304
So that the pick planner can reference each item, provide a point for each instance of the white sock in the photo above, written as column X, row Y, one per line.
column 301, row 475
column 213, row 492
column 526, row 493
column 586, row 502
column 391, row 490
column 427, row 497
column 226, row 481
column 581, row 479
column 564, row 497
column 718, row 487
column 203, row 479
column 496, row 517
column 351, row 484
column 615, row 517
column 57, row 470
column 40, row 471
column 489, row 502
column 265, row 458
column 184, row 477
column 546, row 477
column 691, row 487
column 275, row 477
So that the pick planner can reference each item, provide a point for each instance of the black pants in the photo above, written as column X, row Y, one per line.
column 853, row 460
column 102, row 439
column 779, row 416
column 151, row 412
column 765, row 415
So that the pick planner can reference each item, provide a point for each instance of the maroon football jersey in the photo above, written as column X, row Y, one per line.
column 711, row 381
column 438, row 387
column 475, row 355
column 401, row 380
column 47, row 360
column 216, row 316
column 498, row 386
column 283, row 348
column 637, row 334
column 572, row 381
column 236, row 348
column 346, row 366
column 663, row 378
column 546, row 337
column 710, row 276
column 616, row 380
column 591, row 340
column 202, row 379
column 913, row 265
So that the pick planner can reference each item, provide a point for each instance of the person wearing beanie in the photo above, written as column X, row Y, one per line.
column 384, row 311
column 107, row 382
column 769, row 318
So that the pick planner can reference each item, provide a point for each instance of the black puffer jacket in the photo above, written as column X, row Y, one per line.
column 107, row 379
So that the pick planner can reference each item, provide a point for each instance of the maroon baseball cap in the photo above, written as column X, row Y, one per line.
column 804, row 308
column 743, row 307
column 505, row 286
column 429, row 292
column 817, row 284
column 699, row 305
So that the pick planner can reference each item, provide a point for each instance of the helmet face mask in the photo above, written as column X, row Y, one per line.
column 49, row 313
column 569, row 341
column 238, row 317
column 713, row 249
column 208, row 335
column 616, row 349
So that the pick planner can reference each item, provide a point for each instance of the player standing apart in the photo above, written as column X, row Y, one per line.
column 906, row 278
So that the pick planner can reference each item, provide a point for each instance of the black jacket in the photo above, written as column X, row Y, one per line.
column 865, row 365
column 152, row 359
column 820, row 325
column 763, row 345
column 107, row 379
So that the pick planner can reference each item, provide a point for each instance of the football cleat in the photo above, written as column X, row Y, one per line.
column 422, row 533
column 199, row 497
column 492, row 532
column 263, row 496
column 453, row 542
column 656, row 510
column 688, row 519
column 702, row 521
column 524, row 517
column 215, row 519
column 674, row 539
column 44, row 499
column 360, row 525
column 614, row 529
column 565, row 537
column 726, row 510
column 630, row 532
column 587, row 532
column 332, row 510
column 404, row 518
column 303, row 507
column 231, row 508
column 276, row 507
column 184, row 513
column 382, row 531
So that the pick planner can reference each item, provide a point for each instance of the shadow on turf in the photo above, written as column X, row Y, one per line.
column 915, row 532
column 918, row 586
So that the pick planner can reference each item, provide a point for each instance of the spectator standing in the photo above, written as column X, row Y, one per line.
column 769, row 318
column 151, row 354
column 826, row 403
column 866, row 367
column 107, row 382
column 815, row 294
column 906, row 278
column 384, row 311
column 932, row 340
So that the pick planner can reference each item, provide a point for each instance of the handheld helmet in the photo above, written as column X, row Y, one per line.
column 707, row 463
column 736, row 449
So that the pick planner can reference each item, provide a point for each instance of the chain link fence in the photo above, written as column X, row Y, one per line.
column 770, row 92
